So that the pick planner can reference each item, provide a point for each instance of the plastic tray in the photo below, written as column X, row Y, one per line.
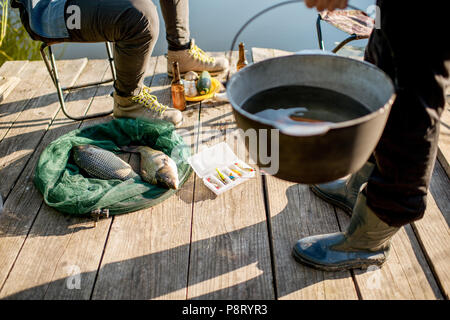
column 221, row 157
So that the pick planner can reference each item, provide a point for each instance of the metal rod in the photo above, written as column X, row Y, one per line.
column 343, row 43
column 233, row 43
column 47, row 64
column 54, row 74
column 89, row 84
column 111, row 61
column 319, row 32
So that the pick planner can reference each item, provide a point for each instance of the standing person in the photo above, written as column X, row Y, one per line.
column 397, row 184
column 133, row 27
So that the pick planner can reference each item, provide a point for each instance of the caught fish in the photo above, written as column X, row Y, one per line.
column 156, row 166
column 101, row 163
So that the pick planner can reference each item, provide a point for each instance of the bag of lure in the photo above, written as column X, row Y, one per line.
column 68, row 189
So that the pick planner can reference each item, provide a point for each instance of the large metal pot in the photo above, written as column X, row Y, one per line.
column 324, row 152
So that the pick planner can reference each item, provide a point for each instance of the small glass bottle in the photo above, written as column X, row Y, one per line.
column 177, row 88
column 242, row 62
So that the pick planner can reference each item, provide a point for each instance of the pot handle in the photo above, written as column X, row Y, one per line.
column 303, row 130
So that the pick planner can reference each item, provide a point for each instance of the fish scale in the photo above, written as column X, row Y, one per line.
column 101, row 163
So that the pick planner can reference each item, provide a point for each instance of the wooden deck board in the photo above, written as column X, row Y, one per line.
column 296, row 213
column 9, row 110
column 193, row 245
column 30, row 126
column 147, row 253
column 433, row 230
column 444, row 138
column 407, row 275
column 9, row 77
column 230, row 257
column 50, row 234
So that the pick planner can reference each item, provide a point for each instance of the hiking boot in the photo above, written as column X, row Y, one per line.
column 365, row 243
column 195, row 59
column 343, row 192
column 145, row 105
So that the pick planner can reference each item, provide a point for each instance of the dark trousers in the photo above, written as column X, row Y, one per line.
column 409, row 48
column 133, row 26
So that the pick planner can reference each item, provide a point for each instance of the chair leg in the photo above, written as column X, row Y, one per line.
column 319, row 32
column 53, row 71
column 111, row 61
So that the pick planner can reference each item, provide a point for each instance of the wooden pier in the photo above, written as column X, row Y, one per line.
column 193, row 245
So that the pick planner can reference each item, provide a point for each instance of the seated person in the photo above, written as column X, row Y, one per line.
column 133, row 27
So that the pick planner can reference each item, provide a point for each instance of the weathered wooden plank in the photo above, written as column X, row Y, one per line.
column 7, row 85
column 147, row 253
column 32, row 123
column 444, row 138
column 230, row 256
column 77, row 250
column 296, row 213
column 433, row 232
column 405, row 276
column 12, row 68
column 440, row 190
column 25, row 201
column 11, row 107
column 33, row 76
column 9, row 77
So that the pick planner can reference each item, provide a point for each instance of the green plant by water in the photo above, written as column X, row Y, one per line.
column 15, row 43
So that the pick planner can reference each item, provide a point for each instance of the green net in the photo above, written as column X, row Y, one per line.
column 67, row 189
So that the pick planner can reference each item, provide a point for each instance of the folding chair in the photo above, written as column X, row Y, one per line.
column 51, row 65
column 53, row 72
column 356, row 23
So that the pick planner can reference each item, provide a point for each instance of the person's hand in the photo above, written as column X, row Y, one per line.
column 326, row 4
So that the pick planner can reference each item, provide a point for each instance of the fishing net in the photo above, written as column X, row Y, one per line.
column 66, row 188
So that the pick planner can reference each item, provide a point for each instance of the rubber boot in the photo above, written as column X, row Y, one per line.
column 365, row 243
column 343, row 192
column 195, row 59
column 145, row 106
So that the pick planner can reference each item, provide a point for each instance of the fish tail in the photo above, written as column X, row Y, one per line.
column 132, row 149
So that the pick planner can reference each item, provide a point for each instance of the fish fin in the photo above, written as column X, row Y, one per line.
column 132, row 149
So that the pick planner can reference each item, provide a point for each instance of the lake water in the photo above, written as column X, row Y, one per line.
column 214, row 23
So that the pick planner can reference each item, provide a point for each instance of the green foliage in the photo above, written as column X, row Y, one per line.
column 15, row 43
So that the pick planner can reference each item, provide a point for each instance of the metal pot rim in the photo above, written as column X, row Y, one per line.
column 344, row 124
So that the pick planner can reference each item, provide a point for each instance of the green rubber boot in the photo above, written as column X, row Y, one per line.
column 365, row 243
column 343, row 192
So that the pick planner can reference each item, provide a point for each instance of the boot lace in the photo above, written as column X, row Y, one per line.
column 149, row 101
column 199, row 54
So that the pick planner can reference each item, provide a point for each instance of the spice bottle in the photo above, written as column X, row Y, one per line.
column 177, row 88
